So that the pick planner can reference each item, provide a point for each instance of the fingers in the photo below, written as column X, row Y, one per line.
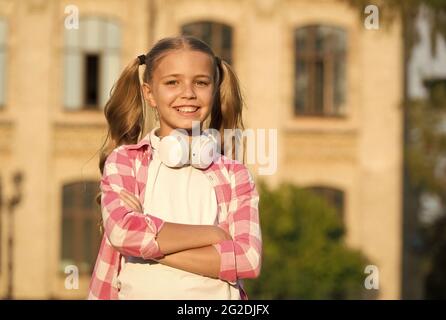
column 130, row 203
column 127, row 201
column 223, row 233
column 131, row 200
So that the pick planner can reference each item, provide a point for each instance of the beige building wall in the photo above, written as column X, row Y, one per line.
column 359, row 154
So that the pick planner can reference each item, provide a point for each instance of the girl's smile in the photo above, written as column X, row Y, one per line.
column 189, row 111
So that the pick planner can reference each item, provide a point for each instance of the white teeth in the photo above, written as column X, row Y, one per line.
column 187, row 109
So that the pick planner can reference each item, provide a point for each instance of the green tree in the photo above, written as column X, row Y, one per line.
column 304, row 256
column 426, row 155
column 423, row 147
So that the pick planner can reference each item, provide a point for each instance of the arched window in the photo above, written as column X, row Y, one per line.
column 217, row 35
column 320, row 75
column 334, row 197
column 80, row 230
column 91, row 63
column 3, row 33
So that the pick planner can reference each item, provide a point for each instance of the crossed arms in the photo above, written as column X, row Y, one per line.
column 229, row 251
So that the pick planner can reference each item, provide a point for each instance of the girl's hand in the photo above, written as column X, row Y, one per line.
column 131, row 200
column 223, row 232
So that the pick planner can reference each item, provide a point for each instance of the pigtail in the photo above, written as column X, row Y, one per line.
column 228, row 106
column 124, row 112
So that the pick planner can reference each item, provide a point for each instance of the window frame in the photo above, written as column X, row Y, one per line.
column 309, row 57
column 216, row 34
column 78, row 214
column 110, row 47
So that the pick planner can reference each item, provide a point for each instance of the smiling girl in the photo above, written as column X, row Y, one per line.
column 175, row 231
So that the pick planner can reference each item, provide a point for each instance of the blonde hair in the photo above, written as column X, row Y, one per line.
column 124, row 110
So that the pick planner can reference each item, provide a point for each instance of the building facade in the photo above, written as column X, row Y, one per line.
column 309, row 69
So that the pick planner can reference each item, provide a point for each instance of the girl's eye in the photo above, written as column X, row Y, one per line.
column 201, row 83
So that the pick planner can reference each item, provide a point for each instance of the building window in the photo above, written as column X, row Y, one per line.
column 80, row 230
column 91, row 80
column 91, row 63
column 334, row 197
column 217, row 35
column 320, row 75
column 3, row 32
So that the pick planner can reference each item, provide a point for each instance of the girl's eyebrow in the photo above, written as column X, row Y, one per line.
column 178, row 74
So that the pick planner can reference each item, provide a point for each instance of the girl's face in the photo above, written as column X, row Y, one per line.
column 181, row 78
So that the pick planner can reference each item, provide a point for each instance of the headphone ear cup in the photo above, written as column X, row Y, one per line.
column 174, row 151
column 203, row 150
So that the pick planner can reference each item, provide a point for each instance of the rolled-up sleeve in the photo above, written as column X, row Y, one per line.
column 241, row 257
column 131, row 233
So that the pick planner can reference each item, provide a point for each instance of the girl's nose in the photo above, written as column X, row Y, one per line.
column 188, row 91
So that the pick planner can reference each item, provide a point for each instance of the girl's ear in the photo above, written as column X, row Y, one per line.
column 148, row 94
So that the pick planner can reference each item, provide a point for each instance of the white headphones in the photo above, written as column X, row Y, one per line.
column 175, row 151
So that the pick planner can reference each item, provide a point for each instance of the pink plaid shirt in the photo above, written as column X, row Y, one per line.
column 131, row 233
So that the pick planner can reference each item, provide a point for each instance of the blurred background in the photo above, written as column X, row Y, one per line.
column 357, row 94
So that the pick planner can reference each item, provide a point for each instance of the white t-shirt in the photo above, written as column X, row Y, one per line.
column 179, row 195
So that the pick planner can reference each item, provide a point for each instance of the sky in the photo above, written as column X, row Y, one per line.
column 422, row 64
